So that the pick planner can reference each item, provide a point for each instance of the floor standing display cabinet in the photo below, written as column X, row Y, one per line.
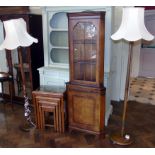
column 85, row 90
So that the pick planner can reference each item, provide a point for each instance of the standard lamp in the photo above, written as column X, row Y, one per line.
column 132, row 29
column 16, row 37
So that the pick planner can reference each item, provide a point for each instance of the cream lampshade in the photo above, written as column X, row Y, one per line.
column 16, row 35
column 132, row 29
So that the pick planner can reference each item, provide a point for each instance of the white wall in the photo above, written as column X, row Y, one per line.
column 35, row 9
column 119, row 59
column 137, row 49
column 136, row 59
column 3, row 62
column 115, row 81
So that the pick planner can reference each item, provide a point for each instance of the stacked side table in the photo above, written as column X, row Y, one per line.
column 50, row 99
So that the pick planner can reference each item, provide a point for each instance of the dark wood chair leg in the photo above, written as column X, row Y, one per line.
column 11, row 93
column 2, row 89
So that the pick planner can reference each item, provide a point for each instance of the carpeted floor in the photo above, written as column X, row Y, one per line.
column 142, row 90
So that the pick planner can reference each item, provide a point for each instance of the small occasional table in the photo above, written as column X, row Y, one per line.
column 50, row 99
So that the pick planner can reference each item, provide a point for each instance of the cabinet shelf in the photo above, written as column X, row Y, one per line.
column 59, row 55
column 85, row 41
column 59, row 38
column 59, row 30
column 58, row 47
column 59, row 20
column 91, row 61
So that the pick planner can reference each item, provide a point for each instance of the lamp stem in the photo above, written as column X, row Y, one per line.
column 22, row 70
column 27, row 111
column 127, row 86
column 122, row 138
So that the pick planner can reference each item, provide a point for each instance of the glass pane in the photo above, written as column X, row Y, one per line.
column 84, row 31
column 59, row 56
column 59, row 38
column 85, row 71
column 59, row 20
column 78, row 52
column 85, row 47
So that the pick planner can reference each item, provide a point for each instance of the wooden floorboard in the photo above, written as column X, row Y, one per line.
column 140, row 122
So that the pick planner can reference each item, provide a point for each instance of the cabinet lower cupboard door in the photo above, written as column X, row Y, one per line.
column 86, row 109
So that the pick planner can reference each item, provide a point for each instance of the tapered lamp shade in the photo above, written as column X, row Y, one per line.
column 132, row 27
column 16, row 35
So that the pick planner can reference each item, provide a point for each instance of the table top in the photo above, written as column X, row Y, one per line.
column 52, row 88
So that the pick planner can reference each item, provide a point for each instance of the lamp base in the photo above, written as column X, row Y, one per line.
column 126, row 139
column 27, row 127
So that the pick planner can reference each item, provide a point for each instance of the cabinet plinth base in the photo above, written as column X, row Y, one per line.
column 100, row 133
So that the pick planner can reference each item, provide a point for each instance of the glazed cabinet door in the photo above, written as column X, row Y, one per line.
column 86, row 48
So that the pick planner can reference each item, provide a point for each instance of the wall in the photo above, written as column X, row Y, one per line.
column 118, row 60
column 136, row 59
column 3, row 66
column 3, row 62
column 35, row 9
column 137, row 47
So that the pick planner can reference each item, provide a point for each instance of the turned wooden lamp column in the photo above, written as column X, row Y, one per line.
column 132, row 29
column 16, row 37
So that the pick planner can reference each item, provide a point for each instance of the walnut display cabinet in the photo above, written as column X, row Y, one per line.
column 85, row 90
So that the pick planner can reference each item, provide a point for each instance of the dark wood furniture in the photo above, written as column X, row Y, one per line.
column 47, row 108
column 6, row 77
column 32, row 55
column 50, row 99
column 18, row 75
column 85, row 90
